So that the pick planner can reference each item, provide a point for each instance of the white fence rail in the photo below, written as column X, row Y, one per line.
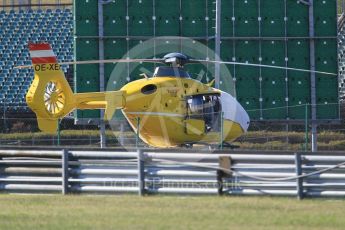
column 155, row 172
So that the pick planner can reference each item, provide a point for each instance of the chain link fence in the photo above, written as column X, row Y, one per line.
column 17, row 130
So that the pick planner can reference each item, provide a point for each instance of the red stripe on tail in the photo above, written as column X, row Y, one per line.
column 39, row 46
column 43, row 60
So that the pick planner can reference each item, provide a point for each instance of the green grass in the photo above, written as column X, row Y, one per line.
column 168, row 212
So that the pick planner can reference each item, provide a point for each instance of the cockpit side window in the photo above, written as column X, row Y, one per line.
column 206, row 107
column 195, row 105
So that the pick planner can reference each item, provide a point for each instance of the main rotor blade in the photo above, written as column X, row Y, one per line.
column 194, row 61
column 191, row 61
column 114, row 61
column 102, row 61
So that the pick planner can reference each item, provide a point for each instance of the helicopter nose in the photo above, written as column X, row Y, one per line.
column 234, row 111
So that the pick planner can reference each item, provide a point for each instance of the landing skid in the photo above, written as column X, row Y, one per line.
column 226, row 145
column 230, row 146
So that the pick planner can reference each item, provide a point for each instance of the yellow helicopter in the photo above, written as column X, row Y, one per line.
column 171, row 108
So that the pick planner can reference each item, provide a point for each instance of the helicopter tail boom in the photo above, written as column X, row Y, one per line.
column 110, row 101
column 51, row 97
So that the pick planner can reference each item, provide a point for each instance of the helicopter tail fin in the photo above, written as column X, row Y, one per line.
column 51, row 97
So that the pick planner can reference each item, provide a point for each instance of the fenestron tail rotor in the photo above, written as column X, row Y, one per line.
column 54, row 98
column 49, row 91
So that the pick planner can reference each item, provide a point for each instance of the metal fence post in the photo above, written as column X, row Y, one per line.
column 220, row 185
column 138, row 133
column 299, row 181
column 141, row 173
column 306, row 128
column 224, row 165
column 58, row 132
column 4, row 117
column 64, row 171
column 221, row 130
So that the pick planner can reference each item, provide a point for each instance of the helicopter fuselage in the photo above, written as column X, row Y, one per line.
column 170, row 109
column 174, row 111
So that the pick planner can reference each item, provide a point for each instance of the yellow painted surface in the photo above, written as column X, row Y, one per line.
column 62, row 100
column 159, row 131
column 162, row 113
column 47, row 120
column 194, row 126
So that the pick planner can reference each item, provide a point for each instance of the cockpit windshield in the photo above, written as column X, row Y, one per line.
column 206, row 107
column 168, row 71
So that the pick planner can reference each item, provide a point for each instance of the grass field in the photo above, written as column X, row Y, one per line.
column 168, row 212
